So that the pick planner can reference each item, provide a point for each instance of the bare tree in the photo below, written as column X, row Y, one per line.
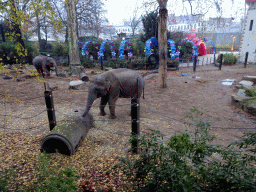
column 162, row 42
column 72, row 33
column 90, row 17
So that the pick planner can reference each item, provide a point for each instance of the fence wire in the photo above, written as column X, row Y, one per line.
column 100, row 120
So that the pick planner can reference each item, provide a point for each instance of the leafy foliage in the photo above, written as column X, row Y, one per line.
column 185, row 165
column 60, row 49
column 150, row 25
column 10, row 55
column 186, row 50
column 251, row 92
column 228, row 59
column 47, row 178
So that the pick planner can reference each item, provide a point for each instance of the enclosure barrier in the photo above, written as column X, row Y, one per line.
column 68, row 134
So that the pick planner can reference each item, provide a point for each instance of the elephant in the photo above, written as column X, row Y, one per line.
column 43, row 65
column 111, row 85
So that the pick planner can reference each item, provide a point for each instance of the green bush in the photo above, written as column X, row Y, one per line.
column 228, row 59
column 251, row 92
column 9, row 54
column 60, row 49
column 186, row 50
column 87, row 63
column 185, row 165
column 173, row 63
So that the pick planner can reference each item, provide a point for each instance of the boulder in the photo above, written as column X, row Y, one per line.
column 240, row 96
column 250, row 107
column 77, row 84
column 64, row 74
column 246, row 84
column 250, row 78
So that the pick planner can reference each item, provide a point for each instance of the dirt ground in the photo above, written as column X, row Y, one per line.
column 24, row 117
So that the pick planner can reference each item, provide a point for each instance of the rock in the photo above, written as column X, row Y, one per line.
column 77, row 84
column 76, row 70
column 64, row 74
column 24, row 77
column 250, row 78
column 250, row 107
column 240, row 96
column 246, row 84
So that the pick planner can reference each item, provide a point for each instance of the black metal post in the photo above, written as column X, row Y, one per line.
column 135, row 111
column 214, row 59
column 50, row 109
column 221, row 58
column 194, row 64
column 101, row 62
column 246, row 59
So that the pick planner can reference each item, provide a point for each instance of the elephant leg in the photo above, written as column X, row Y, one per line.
column 103, row 103
column 111, row 104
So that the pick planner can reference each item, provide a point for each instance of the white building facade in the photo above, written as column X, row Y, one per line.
column 248, row 42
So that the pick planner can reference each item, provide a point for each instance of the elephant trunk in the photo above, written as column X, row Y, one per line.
column 56, row 70
column 91, row 98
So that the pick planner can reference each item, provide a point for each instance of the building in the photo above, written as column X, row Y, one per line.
column 248, row 41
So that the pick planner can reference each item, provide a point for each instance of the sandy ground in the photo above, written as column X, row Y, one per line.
column 24, row 122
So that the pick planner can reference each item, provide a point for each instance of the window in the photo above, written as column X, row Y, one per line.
column 251, row 24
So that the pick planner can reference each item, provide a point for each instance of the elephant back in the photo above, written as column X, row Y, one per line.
column 131, row 83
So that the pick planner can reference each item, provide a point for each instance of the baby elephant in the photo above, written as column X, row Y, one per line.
column 43, row 65
column 111, row 85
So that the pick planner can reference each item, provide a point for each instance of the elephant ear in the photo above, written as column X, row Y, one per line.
column 108, row 84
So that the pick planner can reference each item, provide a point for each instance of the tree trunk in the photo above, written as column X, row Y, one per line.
column 162, row 44
column 72, row 33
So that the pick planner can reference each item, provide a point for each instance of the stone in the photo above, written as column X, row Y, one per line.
column 246, row 84
column 76, row 70
column 250, row 78
column 63, row 74
column 23, row 77
column 240, row 96
column 79, row 84
column 250, row 106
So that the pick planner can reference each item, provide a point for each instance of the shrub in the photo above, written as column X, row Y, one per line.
column 185, row 165
column 186, row 49
column 228, row 59
column 251, row 92
column 9, row 54
column 60, row 49
column 173, row 63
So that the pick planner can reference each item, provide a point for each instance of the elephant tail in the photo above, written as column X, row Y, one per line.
column 143, row 93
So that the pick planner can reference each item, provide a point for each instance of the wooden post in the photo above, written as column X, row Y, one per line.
column 246, row 59
column 50, row 109
column 221, row 57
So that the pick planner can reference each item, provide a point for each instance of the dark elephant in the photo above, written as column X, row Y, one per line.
column 43, row 65
column 111, row 85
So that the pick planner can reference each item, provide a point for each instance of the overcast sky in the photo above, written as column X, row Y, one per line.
column 119, row 10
